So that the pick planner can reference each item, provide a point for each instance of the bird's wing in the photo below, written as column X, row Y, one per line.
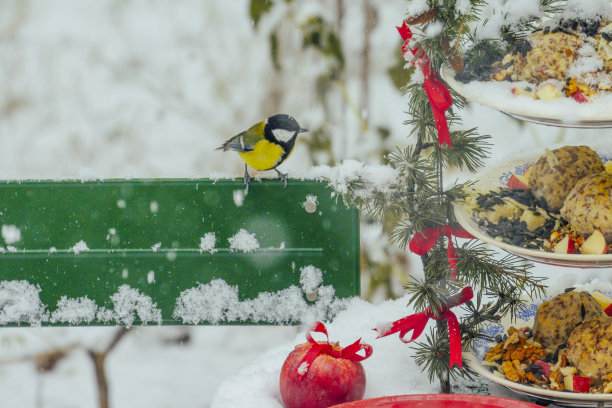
column 245, row 141
column 235, row 143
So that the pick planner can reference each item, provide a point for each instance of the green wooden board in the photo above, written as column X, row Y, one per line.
column 147, row 233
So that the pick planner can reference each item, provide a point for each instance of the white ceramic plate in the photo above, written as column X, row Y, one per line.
column 525, row 317
column 497, row 177
column 562, row 112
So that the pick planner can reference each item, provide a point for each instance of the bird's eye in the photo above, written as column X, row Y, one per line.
column 283, row 135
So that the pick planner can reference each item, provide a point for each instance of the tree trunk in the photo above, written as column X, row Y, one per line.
column 445, row 386
column 98, row 360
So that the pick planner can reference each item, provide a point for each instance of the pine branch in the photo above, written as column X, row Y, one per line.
column 478, row 266
column 415, row 170
column 433, row 355
column 468, row 152
column 429, row 293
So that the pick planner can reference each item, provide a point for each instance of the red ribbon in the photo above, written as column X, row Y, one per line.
column 417, row 322
column 439, row 97
column 348, row 352
column 423, row 241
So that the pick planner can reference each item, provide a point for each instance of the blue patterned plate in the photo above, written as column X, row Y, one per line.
column 525, row 317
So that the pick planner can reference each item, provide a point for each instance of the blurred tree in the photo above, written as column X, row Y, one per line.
column 342, row 123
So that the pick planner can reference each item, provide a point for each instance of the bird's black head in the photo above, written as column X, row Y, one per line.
column 282, row 128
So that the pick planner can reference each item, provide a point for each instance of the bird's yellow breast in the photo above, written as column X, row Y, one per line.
column 264, row 156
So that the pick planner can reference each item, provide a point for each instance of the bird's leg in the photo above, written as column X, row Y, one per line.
column 247, row 179
column 282, row 176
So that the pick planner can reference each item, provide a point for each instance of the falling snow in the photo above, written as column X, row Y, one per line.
column 11, row 234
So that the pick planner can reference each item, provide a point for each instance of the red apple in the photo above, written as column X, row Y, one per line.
column 577, row 383
column 595, row 244
column 328, row 380
column 565, row 246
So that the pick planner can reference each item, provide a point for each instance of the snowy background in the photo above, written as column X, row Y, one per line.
column 135, row 88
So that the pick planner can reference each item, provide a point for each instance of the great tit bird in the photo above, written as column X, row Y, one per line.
column 266, row 144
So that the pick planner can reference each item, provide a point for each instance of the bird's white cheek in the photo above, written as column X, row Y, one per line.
column 283, row 135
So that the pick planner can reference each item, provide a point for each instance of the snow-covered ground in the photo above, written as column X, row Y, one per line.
column 135, row 88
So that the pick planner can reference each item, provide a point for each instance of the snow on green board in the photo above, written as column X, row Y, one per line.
column 133, row 252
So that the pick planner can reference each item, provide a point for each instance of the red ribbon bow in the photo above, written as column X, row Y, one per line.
column 439, row 97
column 348, row 352
column 423, row 241
column 417, row 322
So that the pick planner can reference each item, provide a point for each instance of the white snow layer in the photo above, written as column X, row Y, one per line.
column 498, row 13
column 79, row 247
column 243, row 241
column 311, row 278
column 208, row 242
column 20, row 303
column 217, row 301
column 359, row 178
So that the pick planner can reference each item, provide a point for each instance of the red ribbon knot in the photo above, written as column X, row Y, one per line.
column 417, row 322
column 424, row 240
column 439, row 96
column 325, row 347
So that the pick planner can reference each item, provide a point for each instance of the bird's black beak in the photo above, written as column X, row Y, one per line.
column 302, row 130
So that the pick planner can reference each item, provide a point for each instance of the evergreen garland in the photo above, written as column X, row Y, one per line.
column 422, row 199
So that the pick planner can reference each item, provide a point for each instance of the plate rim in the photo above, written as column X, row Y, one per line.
column 464, row 218
column 448, row 75
column 486, row 399
column 472, row 361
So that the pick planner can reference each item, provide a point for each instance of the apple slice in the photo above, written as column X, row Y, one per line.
column 595, row 244
column 565, row 246
column 520, row 181
column 547, row 92
column 522, row 91
column 604, row 301
column 579, row 97
column 545, row 367
column 577, row 383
